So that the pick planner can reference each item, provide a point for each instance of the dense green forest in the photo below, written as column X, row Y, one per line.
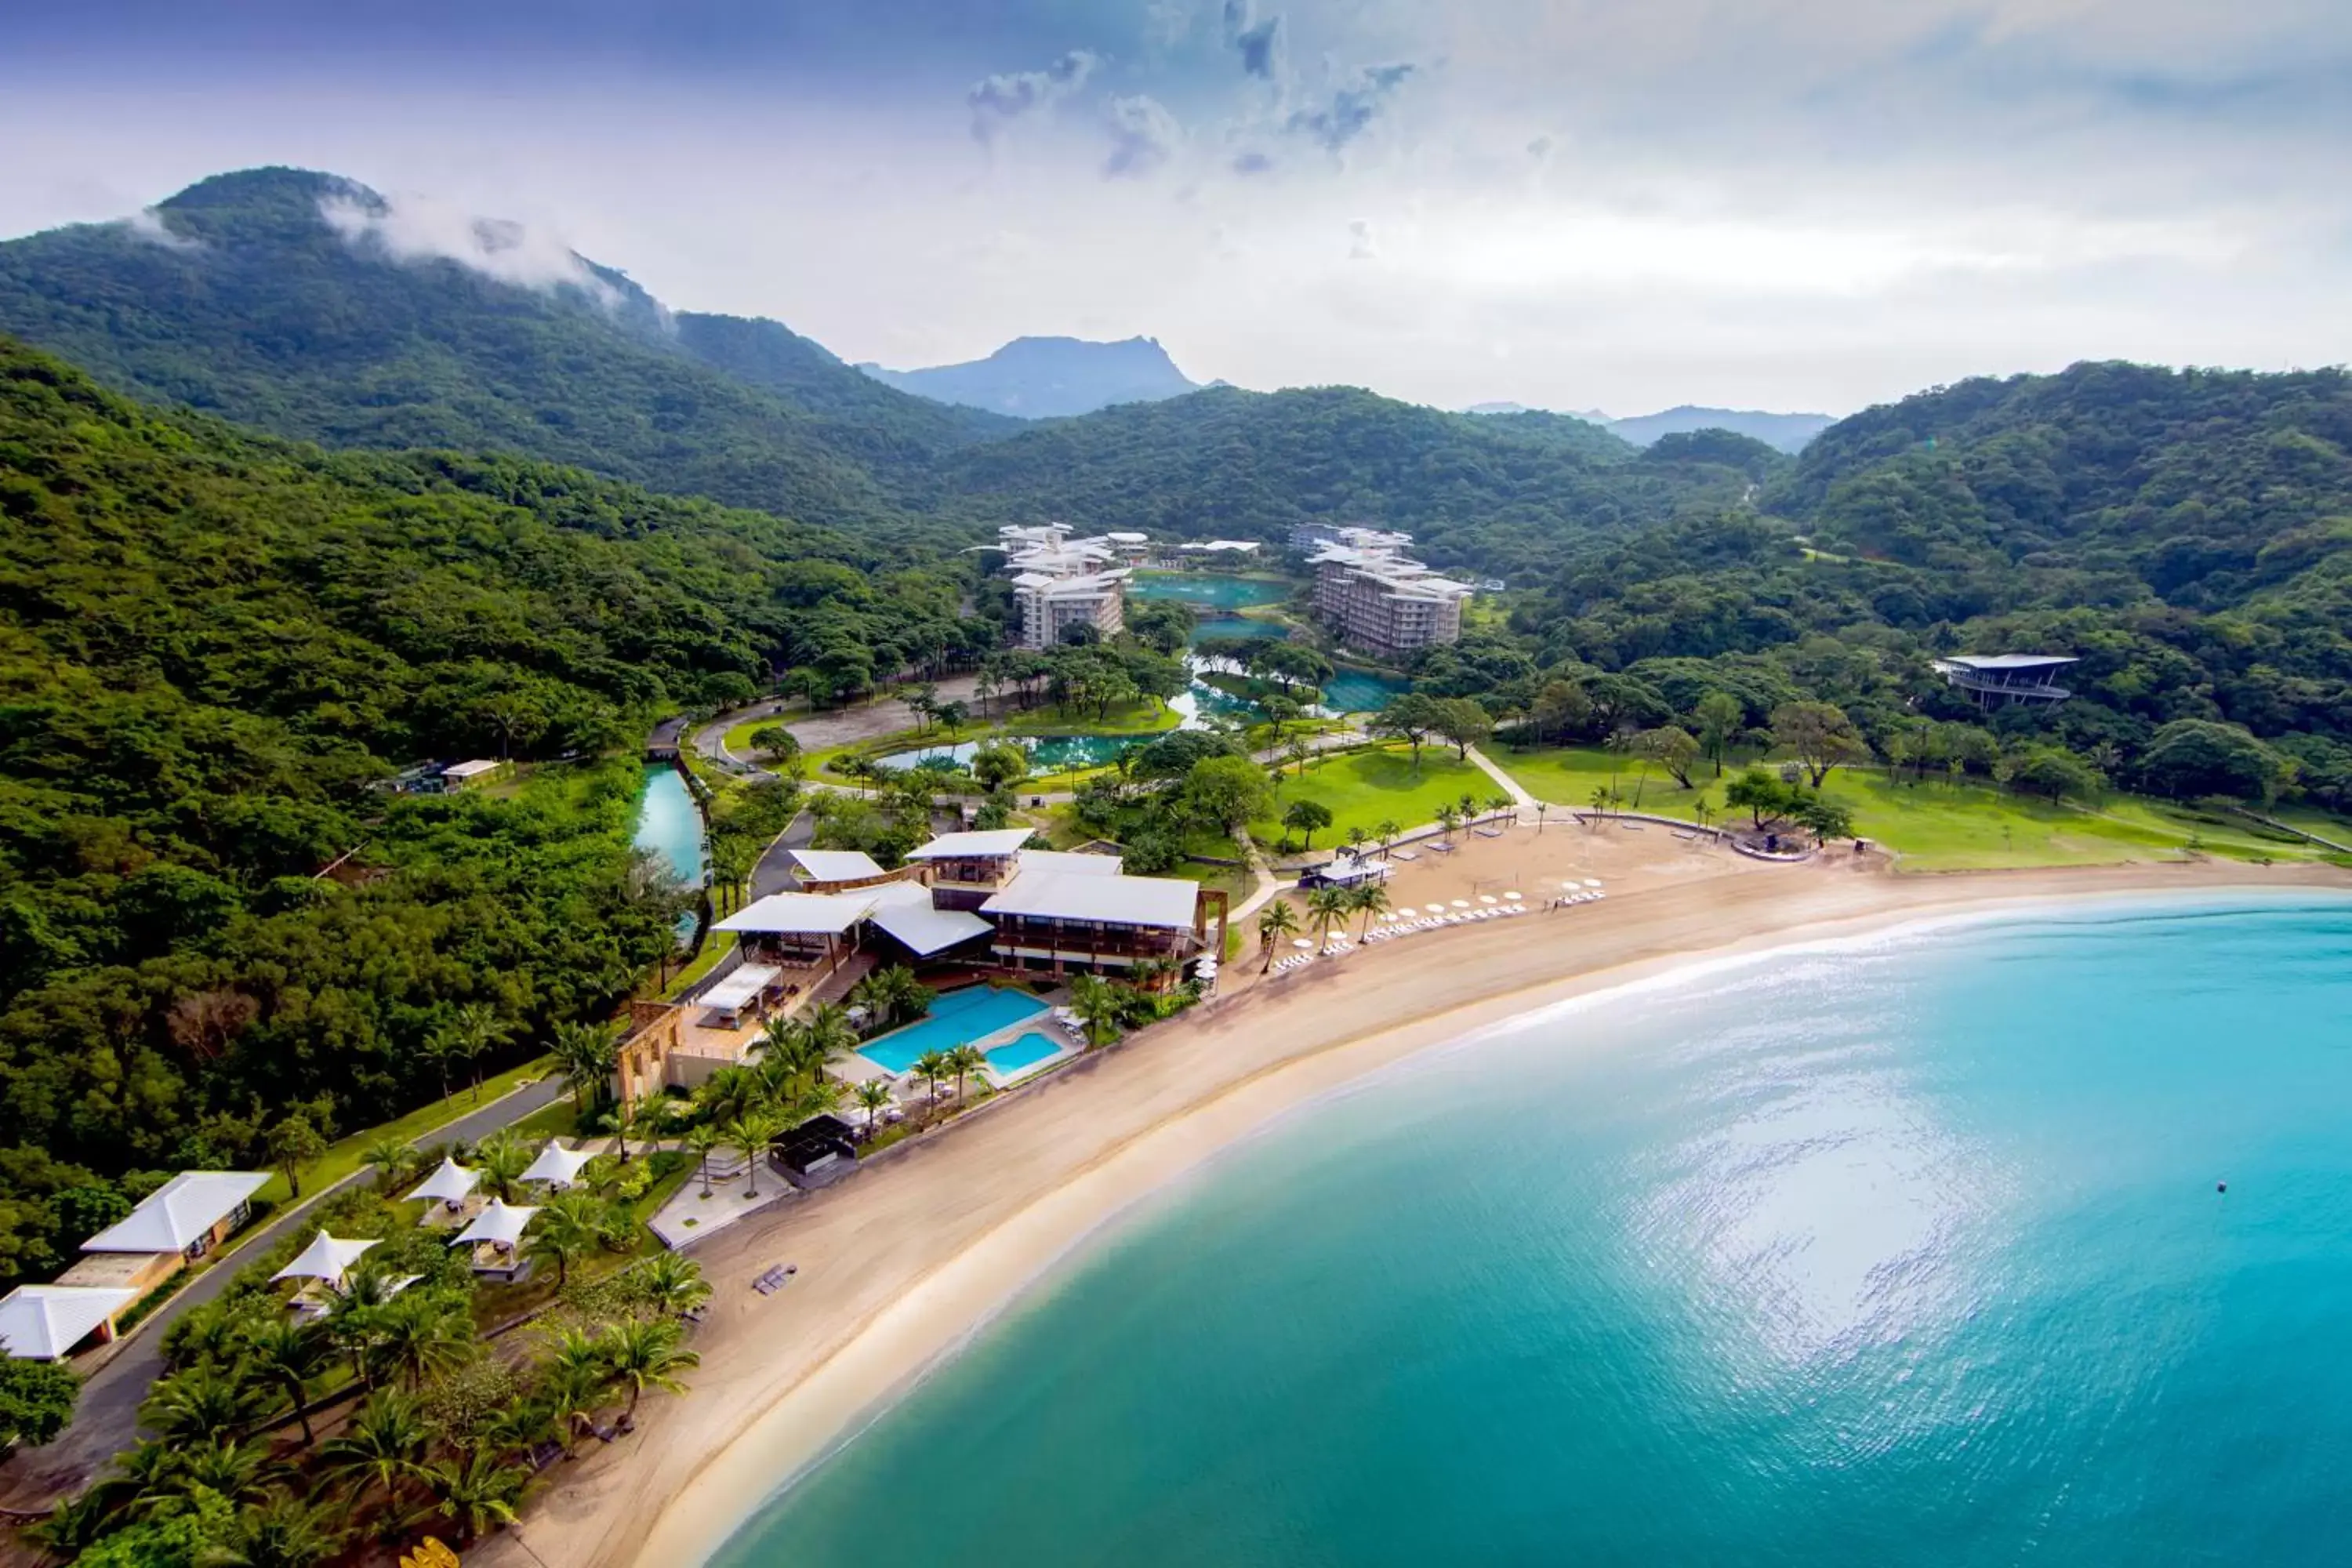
column 212, row 643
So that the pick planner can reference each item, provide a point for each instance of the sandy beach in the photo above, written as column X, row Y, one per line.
column 906, row 1259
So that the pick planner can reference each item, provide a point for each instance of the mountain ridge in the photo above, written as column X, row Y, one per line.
column 1049, row 377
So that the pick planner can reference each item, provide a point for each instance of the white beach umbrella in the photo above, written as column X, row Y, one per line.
column 1302, row 941
column 1488, row 898
column 1461, row 903
column 1514, row 898
column 1592, row 881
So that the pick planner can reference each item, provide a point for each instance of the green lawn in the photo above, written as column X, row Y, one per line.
column 1941, row 826
column 1362, row 789
column 716, row 945
column 346, row 1154
column 738, row 739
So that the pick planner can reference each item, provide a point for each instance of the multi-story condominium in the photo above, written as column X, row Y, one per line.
column 1059, row 582
column 1380, row 602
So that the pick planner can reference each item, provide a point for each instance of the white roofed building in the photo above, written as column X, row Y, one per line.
column 177, row 1223
column 1997, row 680
column 45, row 1322
column 1380, row 602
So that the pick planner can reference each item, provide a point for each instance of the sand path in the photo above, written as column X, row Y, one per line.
column 903, row 1260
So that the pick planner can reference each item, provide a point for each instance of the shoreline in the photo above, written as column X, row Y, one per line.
column 908, row 1261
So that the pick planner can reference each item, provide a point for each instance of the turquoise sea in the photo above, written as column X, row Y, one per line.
column 1907, row 1252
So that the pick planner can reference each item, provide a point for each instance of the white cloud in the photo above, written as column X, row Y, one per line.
column 147, row 224
column 1362, row 245
column 413, row 227
column 996, row 101
column 1143, row 137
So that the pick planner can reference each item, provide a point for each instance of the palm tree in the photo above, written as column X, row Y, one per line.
column 477, row 1492
column 285, row 1531
column 287, row 1352
column 830, row 1033
column 1327, row 906
column 729, row 1092
column 355, row 1319
column 1275, row 921
column 965, row 1058
column 1387, row 830
column 241, row 1472
column 1497, row 803
column 1448, row 819
column 419, row 1337
column 1369, row 900
column 571, row 1225
column 585, row 1052
column 382, row 1445
column 874, row 994
column 475, row 1028
column 1601, row 796
column 700, row 1141
column 671, row 1284
column 1097, row 1004
column 392, row 1159
column 873, row 1094
column 502, row 1158
column 1356, row 837
column 779, row 1039
column 753, row 1133
column 575, row 1391
column 195, row 1405
column 932, row 1067
column 647, row 1354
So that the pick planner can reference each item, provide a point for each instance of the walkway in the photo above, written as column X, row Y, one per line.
column 106, row 1421
column 1527, row 802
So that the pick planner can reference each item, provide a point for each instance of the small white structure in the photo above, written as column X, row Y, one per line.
column 326, row 1260
column 43, row 1322
column 557, row 1166
column 192, row 1210
column 448, row 1184
column 742, row 988
column 500, row 1224
column 835, row 866
column 466, row 776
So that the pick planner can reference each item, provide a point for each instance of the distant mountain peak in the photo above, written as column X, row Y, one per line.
column 1788, row 432
column 1049, row 377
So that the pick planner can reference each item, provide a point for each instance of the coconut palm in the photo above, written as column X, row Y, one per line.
column 1275, row 921
column 1387, row 831
column 1325, row 907
column 241, row 1472
column 645, row 1354
column 671, row 1284
column 574, row 1392
column 285, row 1531
column 287, row 1352
column 197, row 1405
column 1449, row 817
column 932, row 1067
column 419, row 1336
column 1357, row 837
column 1369, row 900
column 391, row 1158
column 700, row 1142
column 965, row 1058
column 571, row 1225
column 383, row 1445
column 873, row 1094
column 474, row 1030
column 585, row 1052
column 476, row 1491
column 830, row 1033
column 502, row 1158
column 1097, row 1003
column 779, row 1039
column 1497, row 803
column 730, row 1092
column 752, row 1132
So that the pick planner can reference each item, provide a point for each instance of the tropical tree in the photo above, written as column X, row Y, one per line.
column 197, row 1405
column 1387, row 830
column 672, row 1284
column 643, row 1354
column 285, row 1531
column 383, row 1445
column 1720, row 716
column 932, row 1067
column 1307, row 816
column 475, row 1029
column 1357, row 837
column 586, row 1053
column 1327, row 906
column 502, row 1158
column 1461, row 721
column 476, row 1490
column 873, row 1094
column 420, row 1335
column 1275, row 921
column 1818, row 735
column 1498, row 803
column 574, row 1391
column 829, row 1034
column 1098, row 1006
column 1370, row 899
column 391, row 1158
column 572, row 1224
column 700, row 1141
column 288, row 1351
column 293, row 1141
column 240, row 1472
column 964, row 1059
column 1449, row 817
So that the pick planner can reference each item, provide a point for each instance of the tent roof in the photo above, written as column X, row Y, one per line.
column 41, row 1323
column 447, row 1184
column 927, row 931
column 325, row 1258
column 2009, row 660
column 501, row 1222
column 739, row 987
column 801, row 914
column 991, row 841
column 174, row 1214
column 1160, row 901
column 557, row 1163
column 836, row 865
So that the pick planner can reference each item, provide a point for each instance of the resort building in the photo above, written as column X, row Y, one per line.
column 1379, row 601
column 48, row 1322
column 1059, row 582
column 1997, row 680
column 178, row 1223
column 969, row 902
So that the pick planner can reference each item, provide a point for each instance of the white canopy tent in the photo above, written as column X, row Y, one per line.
column 325, row 1258
column 740, row 988
column 447, row 1184
column 501, row 1224
column 557, row 1165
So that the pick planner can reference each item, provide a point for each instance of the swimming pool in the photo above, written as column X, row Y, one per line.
column 955, row 1018
column 1013, row 1060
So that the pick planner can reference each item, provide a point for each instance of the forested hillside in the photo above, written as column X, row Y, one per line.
column 2186, row 534
column 210, row 643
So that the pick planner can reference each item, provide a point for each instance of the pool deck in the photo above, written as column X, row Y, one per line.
column 857, row 1067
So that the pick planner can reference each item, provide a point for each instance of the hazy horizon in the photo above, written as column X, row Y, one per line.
column 1813, row 207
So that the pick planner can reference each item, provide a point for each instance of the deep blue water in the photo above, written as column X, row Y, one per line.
column 1905, row 1254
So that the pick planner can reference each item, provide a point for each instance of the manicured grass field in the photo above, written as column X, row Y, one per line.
column 1941, row 826
column 347, row 1155
column 1363, row 789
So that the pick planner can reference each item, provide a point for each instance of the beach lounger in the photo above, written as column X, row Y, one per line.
column 1404, row 855
column 1487, row 832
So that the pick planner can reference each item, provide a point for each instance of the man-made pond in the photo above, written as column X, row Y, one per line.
column 1361, row 692
column 669, row 828
column 1047, row 754
column 1209, row 590
column 1234, row 628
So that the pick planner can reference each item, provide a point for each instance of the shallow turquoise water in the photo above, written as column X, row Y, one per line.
column 1207, row 589
column 1234, row 628
column 1026, row 1052
column 1052, row 754
column 1357, row 691
column 669, row 825
column 957, row 1018
column 1905, row 1254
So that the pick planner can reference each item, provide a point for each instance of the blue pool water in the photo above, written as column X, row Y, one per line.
column 956, row 1018
column 1233, row 628
column 1208, row 590
column 1026, row 1052
column 669, row 826
column 1359, row 692
column 1905, row 1254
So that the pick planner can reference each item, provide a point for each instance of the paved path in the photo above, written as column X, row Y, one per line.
column 106, row 1420
column 1527, row 802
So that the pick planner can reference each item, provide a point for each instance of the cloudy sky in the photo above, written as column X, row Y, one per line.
column 1573, row 204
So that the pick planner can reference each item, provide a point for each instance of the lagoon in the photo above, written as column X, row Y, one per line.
column 1904, row 1251
column 1210, row 590
column 669, row 827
